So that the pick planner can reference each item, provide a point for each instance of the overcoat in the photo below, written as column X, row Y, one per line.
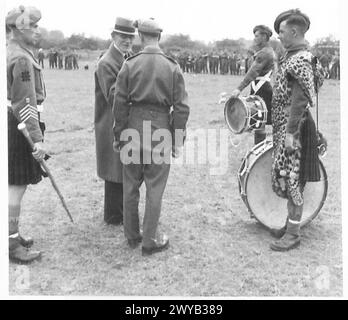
column 109, row 166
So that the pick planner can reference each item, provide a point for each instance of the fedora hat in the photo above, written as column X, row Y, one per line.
column 125, row 26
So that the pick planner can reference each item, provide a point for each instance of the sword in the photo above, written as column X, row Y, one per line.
column 21, row 127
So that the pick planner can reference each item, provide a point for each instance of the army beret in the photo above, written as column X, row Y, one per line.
column 23, row 17
column 263, row 29
column 289, row 14
column 149, row 26
column 124, row 26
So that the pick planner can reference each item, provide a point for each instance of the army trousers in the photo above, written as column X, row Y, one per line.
column 155, row 175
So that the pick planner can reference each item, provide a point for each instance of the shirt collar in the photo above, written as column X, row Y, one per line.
column 118, row 49
column 292, row 50
column 297, row 47
column 259, row 48
column 16, row 42
column 152, row 49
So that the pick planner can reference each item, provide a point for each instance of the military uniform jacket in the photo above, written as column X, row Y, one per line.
column 150, row 79
column 25, row 87
column 262, row 64
column 109, row 166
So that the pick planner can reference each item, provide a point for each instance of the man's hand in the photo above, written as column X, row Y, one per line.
column 235, row 93
column 176, row 152
column 39, row 151
column 291, row 143
column 116, row 146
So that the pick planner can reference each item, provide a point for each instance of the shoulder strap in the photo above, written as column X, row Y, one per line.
column 316, row 88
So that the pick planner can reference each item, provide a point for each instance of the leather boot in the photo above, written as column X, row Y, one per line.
column 160, row 245
column 290, row 240
column 20, row 254
column 26, row 242
column 278, row 233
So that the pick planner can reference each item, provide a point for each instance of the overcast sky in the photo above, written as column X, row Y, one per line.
column 202, row 20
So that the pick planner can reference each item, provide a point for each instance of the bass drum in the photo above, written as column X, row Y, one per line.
column 254, row 176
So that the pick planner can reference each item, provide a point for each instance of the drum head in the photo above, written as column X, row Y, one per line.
column 235, row 115
column 271, row 210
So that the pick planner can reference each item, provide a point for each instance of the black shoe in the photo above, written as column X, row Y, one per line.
column 133, row 243
column 26, row 242
column 23, row 255
column 287, row 242
column 158, row 248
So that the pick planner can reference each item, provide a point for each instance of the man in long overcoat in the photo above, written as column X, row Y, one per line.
column 109, row 167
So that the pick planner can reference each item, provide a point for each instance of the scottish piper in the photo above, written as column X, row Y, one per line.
column 25, row 94
column 259, row 75
column 295, row 155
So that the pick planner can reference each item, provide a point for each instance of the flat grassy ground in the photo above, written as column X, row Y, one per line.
column 216, row 249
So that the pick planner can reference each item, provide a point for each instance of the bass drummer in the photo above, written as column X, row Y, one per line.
column 295, row 155
column 259, row 75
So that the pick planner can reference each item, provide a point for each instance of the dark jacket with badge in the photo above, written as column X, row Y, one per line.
column 25, row 87
column 150, row 79
column 109, row 166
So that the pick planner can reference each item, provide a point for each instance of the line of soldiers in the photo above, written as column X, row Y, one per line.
column 223, row 62
column 56, row 58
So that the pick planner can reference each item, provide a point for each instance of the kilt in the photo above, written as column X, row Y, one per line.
column 265, row 92
column 310, row 166
column 23, row 169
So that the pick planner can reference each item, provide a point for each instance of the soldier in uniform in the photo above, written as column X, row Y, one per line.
column 259, row 74
column 148, row 85
column 233, row 63
column 182, row 61
column 205, row 62
column 74, row 59
column 25, row 94
column 41, row 57
column 211, row 63
column 109, row 167
column 295, row 154
column 55, row 58
column 51, row 59
column 60, row 59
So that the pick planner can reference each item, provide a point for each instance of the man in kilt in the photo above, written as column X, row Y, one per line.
column 295, row 154
column 25, row 94
column 259, row 75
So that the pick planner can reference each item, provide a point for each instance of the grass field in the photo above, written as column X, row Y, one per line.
column 216, row 249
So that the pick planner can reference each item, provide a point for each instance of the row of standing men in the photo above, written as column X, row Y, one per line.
column 214, row 63
column 57, row 57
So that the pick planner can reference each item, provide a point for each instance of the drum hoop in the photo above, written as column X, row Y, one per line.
column 268, row 145
column 311, row 217
column 247, row 119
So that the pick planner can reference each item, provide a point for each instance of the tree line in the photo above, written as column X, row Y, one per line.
column 178, row 42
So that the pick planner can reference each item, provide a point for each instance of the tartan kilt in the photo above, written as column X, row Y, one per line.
column 310, row 166
column 265, row 92
column 23, row 169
